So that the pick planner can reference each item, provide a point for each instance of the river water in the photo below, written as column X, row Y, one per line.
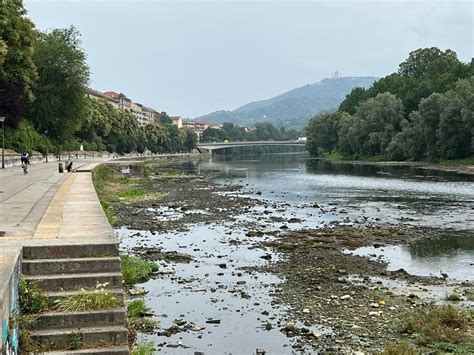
column 199, row 291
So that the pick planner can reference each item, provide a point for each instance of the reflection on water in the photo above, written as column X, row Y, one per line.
column 452, row 255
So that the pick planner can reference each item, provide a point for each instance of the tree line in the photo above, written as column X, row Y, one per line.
column 424, row 111
column 42, row 81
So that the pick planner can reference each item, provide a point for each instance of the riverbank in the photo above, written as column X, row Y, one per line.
column 231, row 259
column 461, row 166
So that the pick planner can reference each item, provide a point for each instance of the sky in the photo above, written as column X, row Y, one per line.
column 191, row 58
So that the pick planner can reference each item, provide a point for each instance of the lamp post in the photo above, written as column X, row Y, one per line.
column 2, row 119
column 46, row 135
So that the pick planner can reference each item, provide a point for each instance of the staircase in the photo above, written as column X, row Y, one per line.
column 61, row 271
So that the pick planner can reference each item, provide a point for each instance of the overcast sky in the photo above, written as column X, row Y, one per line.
column 194, row 57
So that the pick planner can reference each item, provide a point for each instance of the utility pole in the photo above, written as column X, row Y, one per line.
column 2, row 119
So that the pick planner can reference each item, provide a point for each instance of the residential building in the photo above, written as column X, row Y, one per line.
column 177, row 120
column 123, row 101
column 198, row 126
column 97, row 95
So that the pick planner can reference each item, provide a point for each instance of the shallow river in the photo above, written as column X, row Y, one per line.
column 202, row 290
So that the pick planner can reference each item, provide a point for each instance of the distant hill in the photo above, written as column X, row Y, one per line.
column 293, row 109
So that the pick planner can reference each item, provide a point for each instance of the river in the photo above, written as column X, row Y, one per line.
column 353, row 194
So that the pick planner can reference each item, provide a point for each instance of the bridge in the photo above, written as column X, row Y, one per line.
column 210, row 147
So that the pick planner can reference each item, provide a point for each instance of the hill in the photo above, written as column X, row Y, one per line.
column 293, row 109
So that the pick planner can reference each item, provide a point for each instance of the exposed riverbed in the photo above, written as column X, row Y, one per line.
column 249, row 246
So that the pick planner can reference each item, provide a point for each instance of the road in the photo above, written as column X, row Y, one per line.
column 24, row 198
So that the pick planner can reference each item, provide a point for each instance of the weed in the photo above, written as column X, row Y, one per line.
column 136, row 311
column 77, row 340
column 437, row 324
column 469, row 294
column 136, row 308
column 135, row 269
column 31, row 298
column 397, row 348
column 87, row 300
column 143, row 348
column 453, row 297
column 131, row 193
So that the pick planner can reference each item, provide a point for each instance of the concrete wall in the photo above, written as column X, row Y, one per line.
column 10, row 272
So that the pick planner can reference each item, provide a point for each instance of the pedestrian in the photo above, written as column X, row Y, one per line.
column 69, row 167
column 24, row 162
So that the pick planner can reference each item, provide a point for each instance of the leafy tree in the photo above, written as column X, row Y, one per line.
column 190, row 141
column 353, row 99
column 322, row 132
column 17, row 70
column 60, row 105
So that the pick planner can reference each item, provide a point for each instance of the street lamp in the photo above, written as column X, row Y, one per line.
column 2, row 119
column 46, row 135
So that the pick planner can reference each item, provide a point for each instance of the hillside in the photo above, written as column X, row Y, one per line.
column 292, row 109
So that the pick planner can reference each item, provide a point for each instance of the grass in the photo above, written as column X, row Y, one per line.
column 136, row 270
column 455, row 297
column 136, row 308
column 31, row 298
column 143, row 348
column 136, row 311
column 87, row 300
column 465, row 161
column 399, row 348
column 436, row 325
column 334, row 155
column 469, row 293
column 131, row 193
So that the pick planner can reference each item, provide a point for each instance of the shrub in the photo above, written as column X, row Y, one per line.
column 453, row 297
column 397, row 348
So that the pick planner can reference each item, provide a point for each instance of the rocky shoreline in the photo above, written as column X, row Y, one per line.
column 334, row 301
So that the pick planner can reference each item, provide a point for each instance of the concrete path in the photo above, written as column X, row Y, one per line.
column 46, row 204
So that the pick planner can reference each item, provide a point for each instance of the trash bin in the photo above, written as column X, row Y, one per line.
column 61, row 167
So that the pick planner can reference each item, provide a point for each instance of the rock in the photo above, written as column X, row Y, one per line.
column 266, row 257
column 374, row 305
column 317, row 334
column 223, row 266
column 294, row 220
column 374, row 313
column 268, row 326
column 306, row 310
column 165, row 271
column 260, row 351
column 137, row 291
column 345, row 297
column 241, row 282
column 213, row 321
column 179, row 322
column 290, row 327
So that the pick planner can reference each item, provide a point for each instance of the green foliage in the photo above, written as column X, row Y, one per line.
column 77, row 341
column 438, row 324
column 87, row 300
column 59, row 107
column 17, row 35
column 26, row 138
column 31, row 299
column 425, row 111
column 135, row 269
column 136, row 308
column 143, row 348
column 399, row 348
column 455, row 297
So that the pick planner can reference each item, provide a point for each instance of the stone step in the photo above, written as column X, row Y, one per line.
column 70, row 251
column 85, row 337
column 70, row 265
column 73, row 282
column 55, row 295
column 115, row 350
column 83, row 319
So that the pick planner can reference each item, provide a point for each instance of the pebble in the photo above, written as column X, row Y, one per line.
column 345, row 297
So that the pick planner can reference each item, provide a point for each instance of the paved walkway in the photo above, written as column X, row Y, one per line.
column 44, row 205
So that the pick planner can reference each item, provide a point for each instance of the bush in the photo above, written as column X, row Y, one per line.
column 136, row 308
column 398, row 348
column 135, row 269
column 453, row 297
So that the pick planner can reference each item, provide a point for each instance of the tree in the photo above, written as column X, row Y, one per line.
column 322, row 132
column 17, row 70
column 426, row 61
column 190, row 141
column 60, row 105
column 352, row 100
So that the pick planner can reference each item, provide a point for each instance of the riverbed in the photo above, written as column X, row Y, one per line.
column 232, row 297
